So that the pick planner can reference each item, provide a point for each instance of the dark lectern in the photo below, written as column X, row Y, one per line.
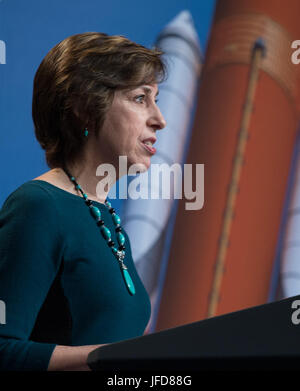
column 262, row 337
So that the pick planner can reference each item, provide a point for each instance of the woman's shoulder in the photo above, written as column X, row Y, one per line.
column 30, row 193
column 30, row 208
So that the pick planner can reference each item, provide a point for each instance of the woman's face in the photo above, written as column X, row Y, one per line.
column 132, row 119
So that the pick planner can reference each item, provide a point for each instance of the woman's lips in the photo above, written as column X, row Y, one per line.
column 151, row 150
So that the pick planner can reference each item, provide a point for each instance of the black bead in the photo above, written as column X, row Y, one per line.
column 111, row 243
column 88, row 202
column 121, row 247
column 100, row 222
column 118, row 229
column 111, row 210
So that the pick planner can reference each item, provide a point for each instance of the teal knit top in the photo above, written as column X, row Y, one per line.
column 59, row 280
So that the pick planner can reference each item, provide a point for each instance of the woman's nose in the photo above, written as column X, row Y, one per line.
column 163, row 122
column 157, row 120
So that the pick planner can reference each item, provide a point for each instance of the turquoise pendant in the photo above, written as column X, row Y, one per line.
column 128, row 281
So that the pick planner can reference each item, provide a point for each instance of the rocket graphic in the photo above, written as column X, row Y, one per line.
column 286, row 270
column 222, row 256
column 149, row 222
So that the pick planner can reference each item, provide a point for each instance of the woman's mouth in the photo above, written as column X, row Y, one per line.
column 148, row 146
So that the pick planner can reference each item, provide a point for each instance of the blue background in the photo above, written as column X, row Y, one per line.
column 30, row 28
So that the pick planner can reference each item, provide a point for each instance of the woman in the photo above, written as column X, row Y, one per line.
column 66, row 272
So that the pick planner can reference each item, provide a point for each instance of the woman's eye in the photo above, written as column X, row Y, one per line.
column 140, row 98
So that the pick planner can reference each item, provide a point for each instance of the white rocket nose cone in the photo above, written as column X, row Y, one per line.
column 184, row 17
column 183, row 25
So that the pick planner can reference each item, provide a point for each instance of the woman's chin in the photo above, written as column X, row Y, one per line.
column 138, row 166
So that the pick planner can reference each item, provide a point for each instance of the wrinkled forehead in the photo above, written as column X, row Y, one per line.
column 149, row 89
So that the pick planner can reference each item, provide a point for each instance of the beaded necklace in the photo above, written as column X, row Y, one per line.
column 118, row 253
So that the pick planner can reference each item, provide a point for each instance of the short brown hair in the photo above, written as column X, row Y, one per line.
column 74, row 87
